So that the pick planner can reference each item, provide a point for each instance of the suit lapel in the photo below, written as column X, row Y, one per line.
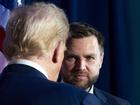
column 97, row 100
column 100, row 96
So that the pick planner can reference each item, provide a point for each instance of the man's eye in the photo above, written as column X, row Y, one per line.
column 70, row 59
column 90, row 58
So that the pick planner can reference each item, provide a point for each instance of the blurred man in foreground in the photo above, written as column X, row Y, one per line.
column 34, row 45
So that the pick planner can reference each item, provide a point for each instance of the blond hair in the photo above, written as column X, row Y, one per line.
column 34, row 29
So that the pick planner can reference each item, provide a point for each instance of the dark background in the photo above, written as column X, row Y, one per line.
column 118, row 20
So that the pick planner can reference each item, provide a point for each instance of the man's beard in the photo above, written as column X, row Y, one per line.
column 81, row 84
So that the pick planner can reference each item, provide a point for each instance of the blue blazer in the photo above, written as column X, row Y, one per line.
column 23, row 85
column 108, row 99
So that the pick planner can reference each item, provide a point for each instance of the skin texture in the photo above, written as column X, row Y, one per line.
column 82, row 62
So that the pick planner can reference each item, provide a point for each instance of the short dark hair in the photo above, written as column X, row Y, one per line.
column 81, row 30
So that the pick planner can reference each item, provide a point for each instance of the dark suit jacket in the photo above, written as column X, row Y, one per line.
column 23, row 85
column 108, row 99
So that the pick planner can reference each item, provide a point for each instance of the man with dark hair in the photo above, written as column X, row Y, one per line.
column 83, row 61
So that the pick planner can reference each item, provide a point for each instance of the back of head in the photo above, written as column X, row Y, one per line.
column 34, row 29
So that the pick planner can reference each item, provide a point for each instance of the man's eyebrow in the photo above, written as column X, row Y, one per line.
column 90, row 55
column 69, row 53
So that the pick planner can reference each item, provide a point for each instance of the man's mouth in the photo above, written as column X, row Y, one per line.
column 81, row 76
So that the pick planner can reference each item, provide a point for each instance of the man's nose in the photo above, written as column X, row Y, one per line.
column 80, row 65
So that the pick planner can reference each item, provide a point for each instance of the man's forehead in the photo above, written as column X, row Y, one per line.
column 70, row 52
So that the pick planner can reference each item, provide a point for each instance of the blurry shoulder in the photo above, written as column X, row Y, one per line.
column 72, row 89
column 110, row 98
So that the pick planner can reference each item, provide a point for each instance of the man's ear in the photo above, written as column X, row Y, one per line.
column 102, row 58
column 56, row 52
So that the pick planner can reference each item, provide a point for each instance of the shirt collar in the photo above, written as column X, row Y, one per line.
column 90, row 89
column 29, row 63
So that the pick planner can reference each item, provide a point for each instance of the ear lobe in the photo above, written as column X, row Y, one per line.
column 56, row 53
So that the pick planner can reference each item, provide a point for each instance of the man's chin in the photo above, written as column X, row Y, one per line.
column 81, row 84
column 81, row 79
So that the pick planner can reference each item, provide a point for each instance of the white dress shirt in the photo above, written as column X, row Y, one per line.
column 90, row 90
column 31, row 64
